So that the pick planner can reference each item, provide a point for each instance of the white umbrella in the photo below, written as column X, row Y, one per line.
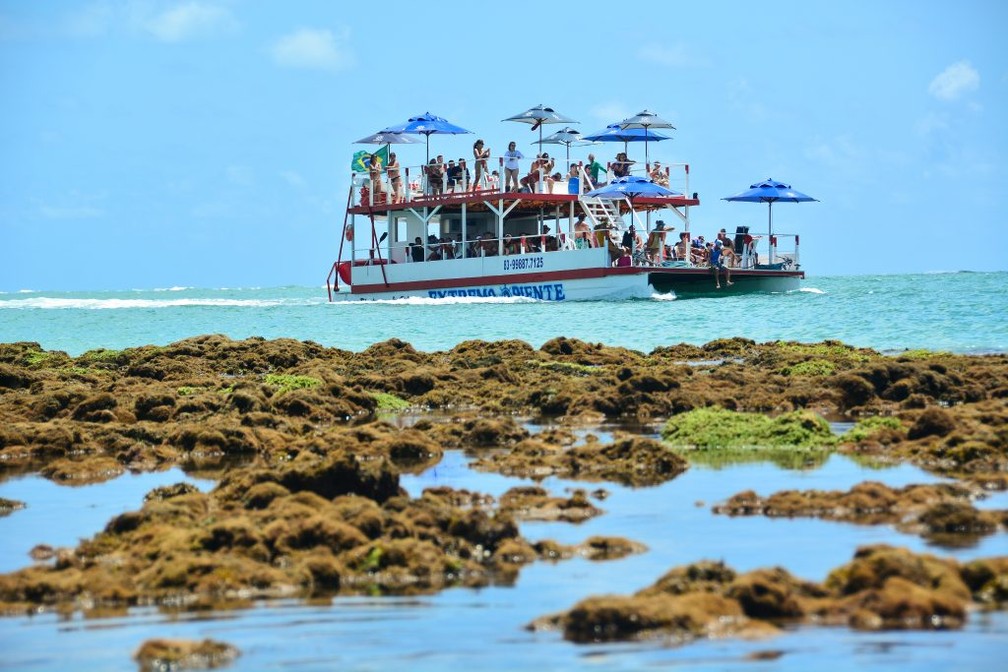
column 645, row 119
column 539, row 115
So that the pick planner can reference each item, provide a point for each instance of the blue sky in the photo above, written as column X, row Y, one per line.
column 207, row 143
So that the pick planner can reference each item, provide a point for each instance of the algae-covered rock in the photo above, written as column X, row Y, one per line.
column 155, row 655
column 718, row 428
column 881, row 588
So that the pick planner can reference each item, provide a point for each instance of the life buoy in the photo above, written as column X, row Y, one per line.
column 348, row 232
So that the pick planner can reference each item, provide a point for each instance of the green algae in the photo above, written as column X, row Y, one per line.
column 569, row 368
column 790, row 458
column 812, row 367
column 715, row 437
column 286, row 382
column 389, row 402
column 718, row 428
column 869, row 427
column 832, row 350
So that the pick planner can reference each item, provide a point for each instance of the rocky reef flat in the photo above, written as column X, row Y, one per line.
column 307, row 458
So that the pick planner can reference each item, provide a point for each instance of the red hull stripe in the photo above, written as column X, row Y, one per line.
column 554, row 276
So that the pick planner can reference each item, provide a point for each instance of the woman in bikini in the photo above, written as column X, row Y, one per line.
column 480, row 154
column 395, row 178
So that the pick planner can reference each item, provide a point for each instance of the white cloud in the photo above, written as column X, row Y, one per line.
column 314, row 50
column 292, row 178
column 70, row 212
column 73, row 205
column 954, row 81
column 94, row 20
column 189, row 20
column 610, row 113
column 672, row 57
column 932, row 123
column 241, row 176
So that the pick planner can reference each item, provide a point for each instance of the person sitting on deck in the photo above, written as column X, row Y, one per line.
column 528, row 183
column 681, row 251
column 417, row 250
column 699, row 254
column 621, row 166
column 447, row 248
column 511, row 245
column 582, row 233
column 717, row 265
column 624, row 259
column 546, row 165
column 435, row 175
column 433, row 248
column 549, row 241
column 464, row 177
column 592, row 169
column 453, row 174
column 489, row 245
column 658, row 175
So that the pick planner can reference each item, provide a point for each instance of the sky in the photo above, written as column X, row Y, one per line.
column 207, row 143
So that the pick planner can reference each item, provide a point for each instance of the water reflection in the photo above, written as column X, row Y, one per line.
column 484, row 628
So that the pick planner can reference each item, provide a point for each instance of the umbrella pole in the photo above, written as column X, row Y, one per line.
column 645, row 150
column 773, row 248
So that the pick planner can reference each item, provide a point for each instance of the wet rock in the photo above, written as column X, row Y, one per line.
column 9, row 506
column 881, row 588
column 534, row 503
column 155, row 655
column 634, row 460
column 941, row 512
column 932, row 422
column 609, row 548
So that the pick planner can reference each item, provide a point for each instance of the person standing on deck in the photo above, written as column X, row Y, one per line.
column 375, row 173
column 395, row 178
column 480, row 155
column 511, row 167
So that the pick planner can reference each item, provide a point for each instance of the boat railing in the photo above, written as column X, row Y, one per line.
column 417, row 182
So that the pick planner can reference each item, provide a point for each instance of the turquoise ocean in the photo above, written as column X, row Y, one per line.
column 961, row 312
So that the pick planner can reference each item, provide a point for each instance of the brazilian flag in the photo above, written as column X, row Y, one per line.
column 361, row 160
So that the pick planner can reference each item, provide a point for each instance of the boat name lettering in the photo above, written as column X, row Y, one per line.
column 553, row 291
column 523, row 263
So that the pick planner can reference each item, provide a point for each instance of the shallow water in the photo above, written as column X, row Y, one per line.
column 484, row 628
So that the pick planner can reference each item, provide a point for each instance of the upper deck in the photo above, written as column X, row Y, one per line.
column 416, row 191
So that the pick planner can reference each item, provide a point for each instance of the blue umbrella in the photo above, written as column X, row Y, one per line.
column 426, row 124
column 631, row 187
column 616, row 133
column 770, row 191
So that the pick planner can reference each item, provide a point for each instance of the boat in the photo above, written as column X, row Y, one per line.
column 555, row 239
